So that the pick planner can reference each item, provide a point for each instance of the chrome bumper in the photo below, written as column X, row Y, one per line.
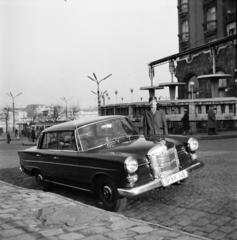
column 151, row 185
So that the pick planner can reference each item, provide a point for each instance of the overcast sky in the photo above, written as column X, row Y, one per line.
column 49, row 47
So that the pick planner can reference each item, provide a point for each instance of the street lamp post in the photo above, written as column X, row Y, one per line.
column 10, row 95
column 66, row 100
column 107, row 95
column 191, row 84
column 98, row 89
column 116, row 92
column 131, row 93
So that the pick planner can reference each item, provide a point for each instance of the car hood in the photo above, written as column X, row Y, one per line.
column 138, row 147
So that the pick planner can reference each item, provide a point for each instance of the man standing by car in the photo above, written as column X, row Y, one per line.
column 185, row 121
column 211, row 122
column 33, row 134
column 154, row 121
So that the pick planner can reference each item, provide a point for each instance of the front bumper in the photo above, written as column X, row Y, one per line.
column 154, row 184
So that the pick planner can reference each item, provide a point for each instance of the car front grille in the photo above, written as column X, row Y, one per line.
column 164, row 161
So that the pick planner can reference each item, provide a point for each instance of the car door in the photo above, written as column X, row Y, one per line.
column 65, row 160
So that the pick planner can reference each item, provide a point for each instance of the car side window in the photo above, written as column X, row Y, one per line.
column 49, row 141
column 67, row 141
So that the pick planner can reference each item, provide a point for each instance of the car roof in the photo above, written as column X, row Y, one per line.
column 72, row 125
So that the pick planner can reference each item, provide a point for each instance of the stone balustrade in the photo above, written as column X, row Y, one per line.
column 226, row 112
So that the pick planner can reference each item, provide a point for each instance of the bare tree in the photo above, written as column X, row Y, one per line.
column 5, row 116
column 55, row 113
column 32, row 113
column 74, row 109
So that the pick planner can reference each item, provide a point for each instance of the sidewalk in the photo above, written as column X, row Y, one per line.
column 30, row 214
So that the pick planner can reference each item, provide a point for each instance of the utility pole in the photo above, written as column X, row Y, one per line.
column 65, row 100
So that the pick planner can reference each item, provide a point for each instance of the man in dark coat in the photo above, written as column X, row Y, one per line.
column 154, row 121
column 211, row 122
column 185, row 121
column 8, row 138
column 33, row 134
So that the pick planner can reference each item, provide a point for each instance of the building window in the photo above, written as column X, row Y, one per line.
column 222, row 83
column 185, row 31
column 211, row 17
column 184, row 5
column 185, row 26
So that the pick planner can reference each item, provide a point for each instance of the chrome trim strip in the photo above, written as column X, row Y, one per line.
column 68, row 185
column 141, row 189
column 70, row 165
column 193, row 166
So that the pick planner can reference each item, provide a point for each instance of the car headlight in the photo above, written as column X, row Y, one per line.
column 193, row 144
column 131, row 164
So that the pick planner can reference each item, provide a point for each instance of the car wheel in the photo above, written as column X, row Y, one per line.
column 108, row 194
column 41, row 181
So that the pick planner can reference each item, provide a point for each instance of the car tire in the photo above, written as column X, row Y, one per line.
column 108, row 194
column 42, row 184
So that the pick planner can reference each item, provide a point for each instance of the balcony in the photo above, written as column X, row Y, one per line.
column 210, row 27
column 183, row 9
column 207, row 3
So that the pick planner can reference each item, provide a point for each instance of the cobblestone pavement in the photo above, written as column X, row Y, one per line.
column 34, row 215
column 206, row 205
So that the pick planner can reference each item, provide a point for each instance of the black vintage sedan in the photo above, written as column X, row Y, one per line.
column 106, row 155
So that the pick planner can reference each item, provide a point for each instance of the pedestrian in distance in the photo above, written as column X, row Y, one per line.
column 154, row 121
column 33, row 134
column 211, row 122
column 16, row 131
column 185, row 121
column 8, row 137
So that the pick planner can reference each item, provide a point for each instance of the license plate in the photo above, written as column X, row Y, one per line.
column 174, row 178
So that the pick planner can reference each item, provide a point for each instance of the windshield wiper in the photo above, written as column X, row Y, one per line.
column 117, row 139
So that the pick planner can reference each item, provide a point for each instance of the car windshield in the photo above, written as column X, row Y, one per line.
column 101, row 133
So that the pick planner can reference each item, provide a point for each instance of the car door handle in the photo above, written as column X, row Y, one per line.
column 38, row 155
column 55, row 157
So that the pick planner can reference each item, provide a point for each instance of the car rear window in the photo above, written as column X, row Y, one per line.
column 49, row 141
column 59, row 141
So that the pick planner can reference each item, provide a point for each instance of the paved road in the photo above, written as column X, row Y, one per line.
column 206, row 205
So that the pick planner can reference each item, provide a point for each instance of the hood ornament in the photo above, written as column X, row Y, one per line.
column 162, row 141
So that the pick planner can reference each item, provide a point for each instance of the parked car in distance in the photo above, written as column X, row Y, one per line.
column 107, row 156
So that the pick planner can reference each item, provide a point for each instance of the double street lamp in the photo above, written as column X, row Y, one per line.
column 98, row 89
column 13, row 97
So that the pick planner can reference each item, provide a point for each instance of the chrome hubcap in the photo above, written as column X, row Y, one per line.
column 107, row 192
column 40, row 179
